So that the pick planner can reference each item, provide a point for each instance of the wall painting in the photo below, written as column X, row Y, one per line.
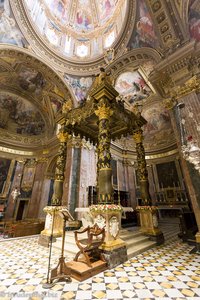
column 6, row 170
column 132, row 86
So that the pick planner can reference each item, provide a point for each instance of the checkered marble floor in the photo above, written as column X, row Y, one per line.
column 165, row 272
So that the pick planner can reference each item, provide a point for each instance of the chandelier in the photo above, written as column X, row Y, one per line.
column 189, row 146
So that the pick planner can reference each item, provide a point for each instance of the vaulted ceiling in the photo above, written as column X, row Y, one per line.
column 51, row 50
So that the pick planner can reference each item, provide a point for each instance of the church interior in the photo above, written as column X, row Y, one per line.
column 99, row 149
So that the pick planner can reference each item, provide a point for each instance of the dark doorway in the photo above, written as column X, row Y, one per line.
column 20, row 211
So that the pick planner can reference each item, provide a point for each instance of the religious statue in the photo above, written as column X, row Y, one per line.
column 15, row 194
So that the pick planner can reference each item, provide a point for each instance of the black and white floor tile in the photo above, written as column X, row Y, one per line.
column 165, row 272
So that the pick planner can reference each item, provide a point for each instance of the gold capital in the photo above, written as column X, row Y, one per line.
column 104, row 112
column 137, row 136
column 63, row 136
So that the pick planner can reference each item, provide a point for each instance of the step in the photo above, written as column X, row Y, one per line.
column 138, row 249
column 136, row 241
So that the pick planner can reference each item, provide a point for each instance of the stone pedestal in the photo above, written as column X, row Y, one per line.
column 52, row 213
column 113, row 248
column 149, row 223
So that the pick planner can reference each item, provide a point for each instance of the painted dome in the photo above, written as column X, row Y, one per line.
column 78, row 29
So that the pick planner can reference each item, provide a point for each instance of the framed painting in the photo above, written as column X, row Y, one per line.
column 28, row 177
column 6, row 171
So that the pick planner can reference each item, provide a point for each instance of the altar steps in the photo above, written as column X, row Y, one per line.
column 135, row 240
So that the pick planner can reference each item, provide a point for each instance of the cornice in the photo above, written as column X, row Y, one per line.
column 133, row 58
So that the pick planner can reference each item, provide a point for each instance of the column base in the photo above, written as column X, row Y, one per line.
column 149, row 223
column 44, row 240
column 196, row 249
column 109, row 216
column 115, row 257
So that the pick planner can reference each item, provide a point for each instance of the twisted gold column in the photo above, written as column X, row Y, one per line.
column 142, row 168
column 63, row 136
column 105, row 189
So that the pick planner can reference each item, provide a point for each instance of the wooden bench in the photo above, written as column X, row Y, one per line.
column 89, row 246
column 22, row 228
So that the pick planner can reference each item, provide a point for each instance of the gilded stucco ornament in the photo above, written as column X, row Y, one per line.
column 169, row 103
column 191, row 85
column 104, row 112
column 67, row 106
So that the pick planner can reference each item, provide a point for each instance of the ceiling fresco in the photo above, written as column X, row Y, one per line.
column 20, row 116
column 158, row 131
column 9, row 30
column 31, row 99
column 144, row 35
column 79, row 85
column 31, row 80
column 78, row 29
column 194, row 20
column 133, row 87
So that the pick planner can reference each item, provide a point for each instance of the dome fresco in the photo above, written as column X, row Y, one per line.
column 20, row 116
column 78, row 29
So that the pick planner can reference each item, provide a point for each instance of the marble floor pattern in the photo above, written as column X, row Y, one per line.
column 164, row 272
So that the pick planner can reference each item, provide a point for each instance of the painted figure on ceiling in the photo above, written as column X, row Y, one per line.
column 9, row 32
column 194, row 23
column 144, row 35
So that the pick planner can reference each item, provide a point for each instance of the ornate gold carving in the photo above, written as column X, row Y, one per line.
column 104, row 112
column 191, row 85
column 138, row 136
column 67, row 106
column 103, row 77
column 142, row 168
column 169, row 103
column 63, row 136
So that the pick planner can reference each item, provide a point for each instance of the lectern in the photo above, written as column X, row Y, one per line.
column 61, row 271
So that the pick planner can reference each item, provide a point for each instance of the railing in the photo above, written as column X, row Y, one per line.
column 172, row 197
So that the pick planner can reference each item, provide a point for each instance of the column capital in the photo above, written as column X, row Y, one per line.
column 63, row 136
column 138, row 136
column 104, row 112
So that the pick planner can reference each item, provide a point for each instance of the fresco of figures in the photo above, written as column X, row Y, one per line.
column 194, row 20
column 78, row 28
column 158, row 128
column 20, row 116
column 144, row 36
column 105, row 9
column 9, row 31
column 132, row 86
column 31, row 80
column 56, row 105
column 79, row 85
